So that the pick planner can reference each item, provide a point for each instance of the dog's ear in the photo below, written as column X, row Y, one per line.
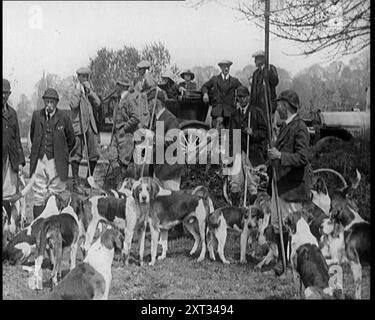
column 135, row 190
column 154, row 189
column 59, row 202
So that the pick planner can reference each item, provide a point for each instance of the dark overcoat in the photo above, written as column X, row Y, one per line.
column 12, row 147
column 223, row 94
column 258, row 140
column 63, row 139
column 168, row 171
column 293, row 169
column 257, row 88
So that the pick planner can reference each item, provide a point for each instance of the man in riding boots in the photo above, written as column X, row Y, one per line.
column 290, row 156
column 125, row 123
column 53, row 138
column 13, row 157
column 82, row 104
column 257, row 83
column 223, row 88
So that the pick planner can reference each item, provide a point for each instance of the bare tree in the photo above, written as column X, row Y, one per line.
column 340, row 26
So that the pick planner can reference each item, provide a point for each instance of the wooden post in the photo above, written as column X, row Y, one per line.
column 269, row 123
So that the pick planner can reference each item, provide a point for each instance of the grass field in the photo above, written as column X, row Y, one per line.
column 179, row 276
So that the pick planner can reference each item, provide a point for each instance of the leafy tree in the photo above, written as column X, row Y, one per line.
column 158, row 56
column 24, row 113
column 340, row 26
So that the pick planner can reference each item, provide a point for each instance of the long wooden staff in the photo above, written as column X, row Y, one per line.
column 269, row 126
column 247, row 159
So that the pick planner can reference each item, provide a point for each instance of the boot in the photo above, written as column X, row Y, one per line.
column 37, row 210
column 76, row 186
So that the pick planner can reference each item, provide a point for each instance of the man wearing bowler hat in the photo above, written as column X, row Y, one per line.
column 223, row 88
column 257, row 83
column 13, row 157
column 290, row 156
column 52, row 137
column 83, row 103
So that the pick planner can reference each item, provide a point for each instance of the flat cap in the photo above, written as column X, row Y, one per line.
column 259, row 53
column 51, row 94
column 6, row 85
column 225, row 62
column 192, row 75
column 143, row 65
column 291, row 97
column 243, row 91
column 123, row 82
column 161, row 95
column 84, row 70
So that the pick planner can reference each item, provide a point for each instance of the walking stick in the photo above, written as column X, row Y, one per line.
column 150, row 125
column 247, row 158
column 85, row 142
column 269, row 127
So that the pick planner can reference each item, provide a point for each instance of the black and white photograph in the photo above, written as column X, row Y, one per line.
column 211, row 150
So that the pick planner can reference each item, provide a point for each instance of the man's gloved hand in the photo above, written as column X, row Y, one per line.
column 206, row 99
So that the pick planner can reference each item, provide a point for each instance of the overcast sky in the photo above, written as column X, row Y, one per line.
column 59, row 37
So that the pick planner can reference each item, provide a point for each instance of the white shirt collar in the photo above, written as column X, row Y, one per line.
column 289, row 120
column 51, row 115
column 159, row 113
column 225, row 77
column 244, row 109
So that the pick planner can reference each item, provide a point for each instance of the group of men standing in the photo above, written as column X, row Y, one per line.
column 58, row 138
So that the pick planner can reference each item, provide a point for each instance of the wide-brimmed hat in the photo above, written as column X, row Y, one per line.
column 161, row 94
column 291, row 97
column 83, row 71
column 192, row 75
column 225, row 62
column 168, row 74
column 143, row 65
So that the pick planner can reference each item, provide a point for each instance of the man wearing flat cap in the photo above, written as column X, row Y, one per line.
column 13, row 157
column 125, row 123
column 83, row 103
column 290, row 156
column 257, row 83
column 53, row 138
column 169, row 175
column 223, row 89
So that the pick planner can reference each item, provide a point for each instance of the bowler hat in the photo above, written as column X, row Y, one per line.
column 259, row 53
column 6, row 85
column 161, row 95
column 242, row 91
column 143, row 65
column 225, row 62
column 291, row 97
column 51, row 94
column 83, row 70
column 192, row 75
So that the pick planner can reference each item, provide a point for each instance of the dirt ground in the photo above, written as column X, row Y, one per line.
column 179, row 276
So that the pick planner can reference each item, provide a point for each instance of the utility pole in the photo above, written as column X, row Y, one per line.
column 269, row 123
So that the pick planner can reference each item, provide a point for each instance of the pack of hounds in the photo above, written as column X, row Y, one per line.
column 329, row 232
